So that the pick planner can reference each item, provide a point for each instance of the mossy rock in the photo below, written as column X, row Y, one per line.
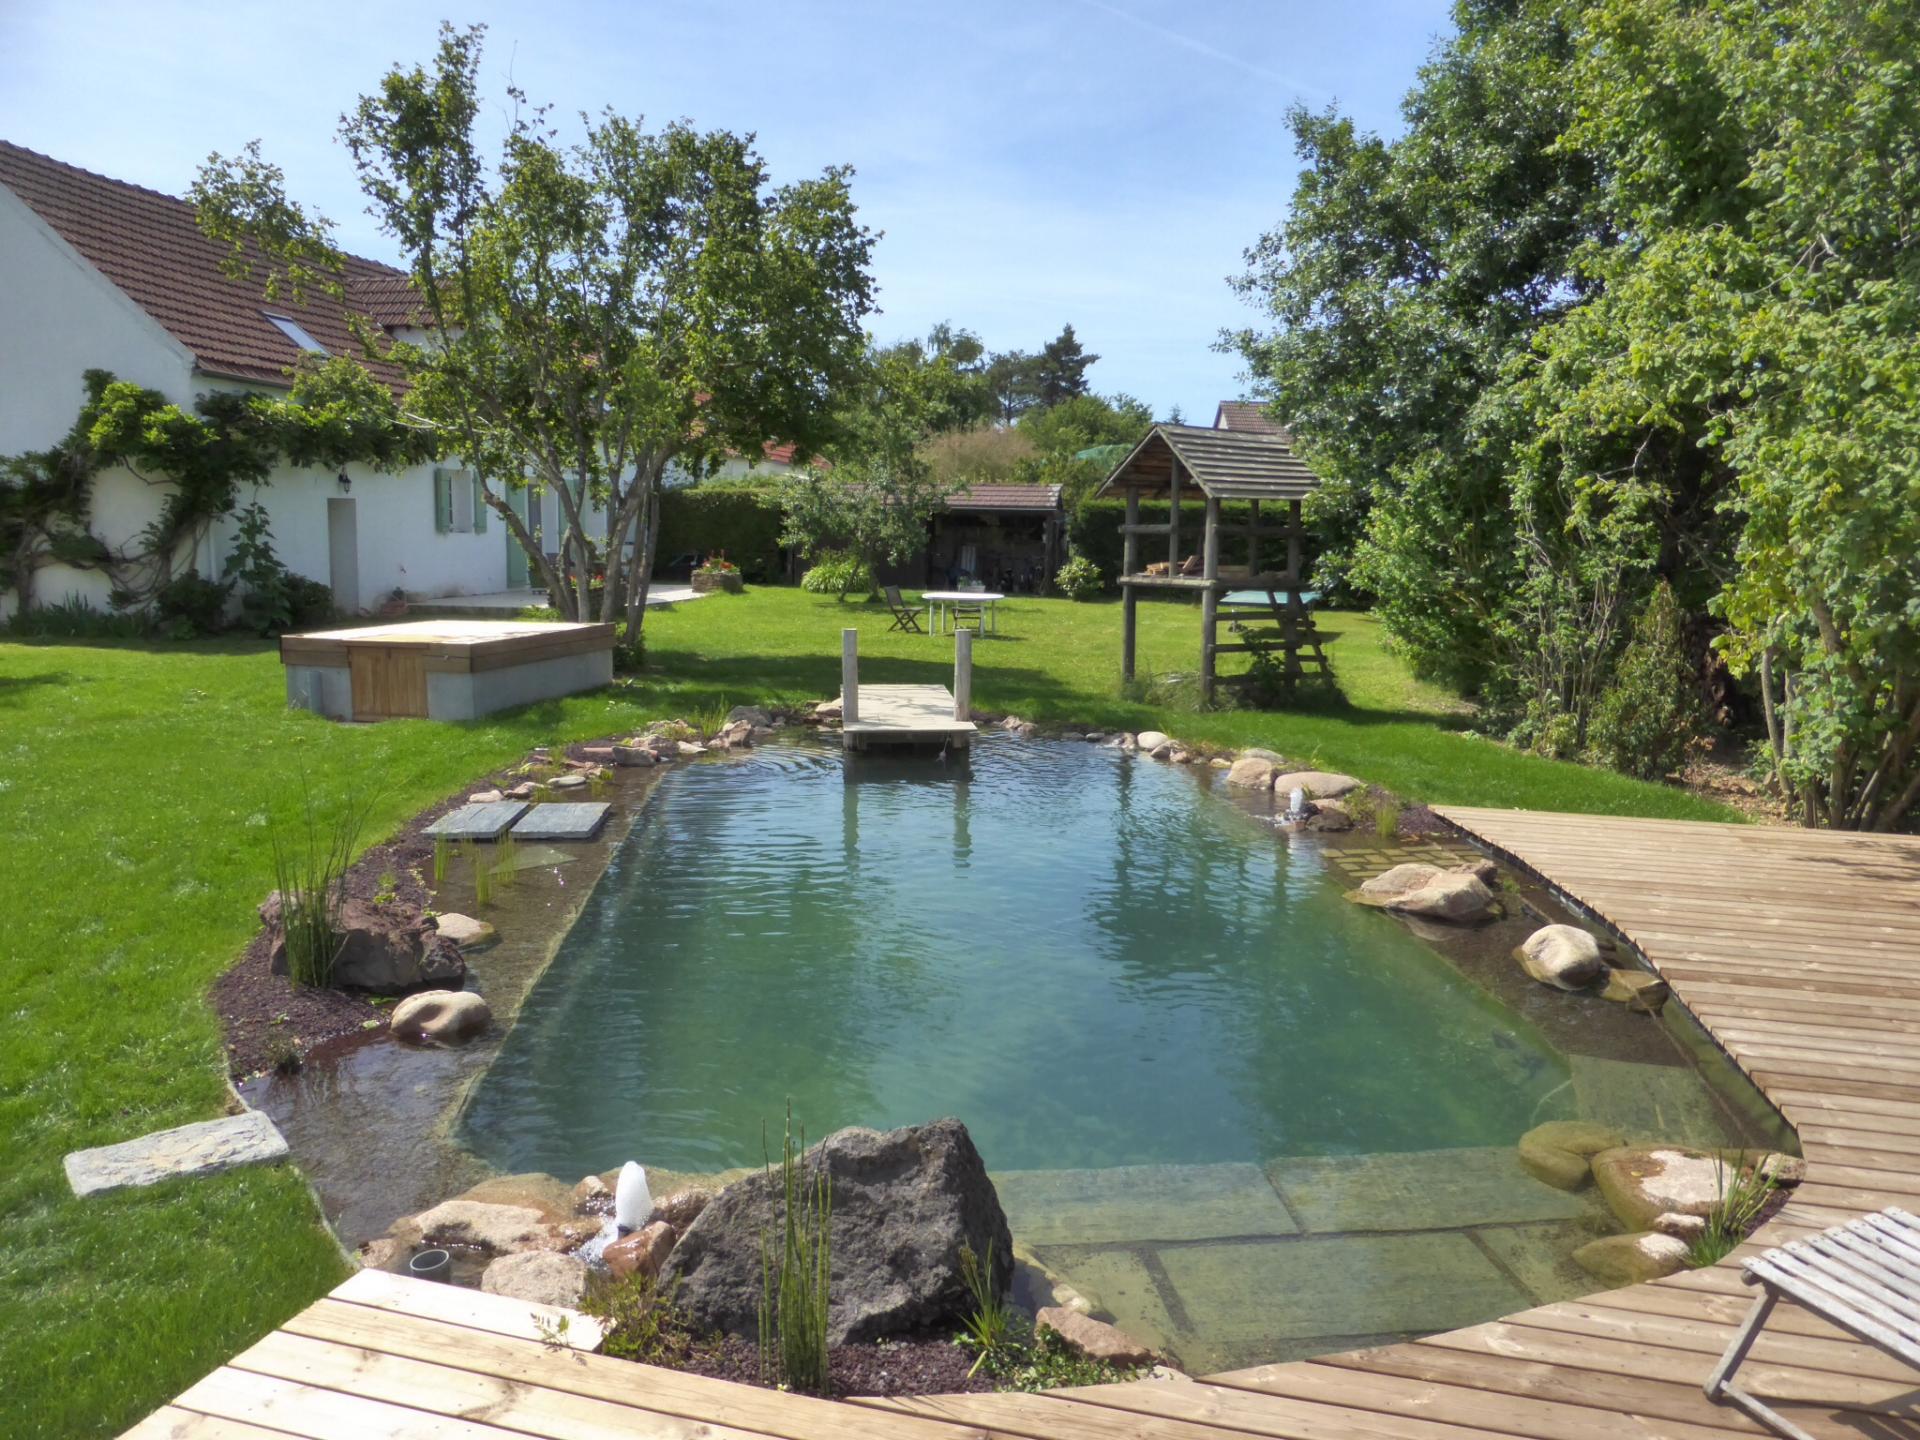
column 1641, row 1183
column 1622, row 1260
column 1558, row 1152
column 1638, row 990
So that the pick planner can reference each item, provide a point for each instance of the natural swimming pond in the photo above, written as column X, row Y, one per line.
column 1062, row 948
column 1247, row 1118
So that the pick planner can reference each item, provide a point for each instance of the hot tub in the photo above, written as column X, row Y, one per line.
column 443, row 669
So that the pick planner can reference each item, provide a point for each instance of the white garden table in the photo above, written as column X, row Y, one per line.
column 938, row 602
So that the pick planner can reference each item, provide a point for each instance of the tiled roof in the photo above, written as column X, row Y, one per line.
column 1246, row 415
column 1230, row 464
column 1006, row 497
column 150, row 246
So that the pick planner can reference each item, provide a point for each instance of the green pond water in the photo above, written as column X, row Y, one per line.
column 1079, row 954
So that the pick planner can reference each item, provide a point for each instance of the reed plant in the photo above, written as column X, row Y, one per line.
column 482, row 876
column 795, row 1282
column 308, row 864
column 992, row 1325
column 506, row 858
column 1744, row 1191
column 442, row 859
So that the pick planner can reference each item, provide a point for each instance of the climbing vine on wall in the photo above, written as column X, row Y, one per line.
column 334, row 414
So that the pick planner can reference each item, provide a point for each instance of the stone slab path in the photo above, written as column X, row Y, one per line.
column 581, row 821
column 204, row 1148
column 477, row 822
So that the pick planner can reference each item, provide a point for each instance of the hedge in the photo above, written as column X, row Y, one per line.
column 742, row 520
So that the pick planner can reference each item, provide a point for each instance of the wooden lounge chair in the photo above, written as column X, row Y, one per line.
column 1863, row 1277
column 905, row 617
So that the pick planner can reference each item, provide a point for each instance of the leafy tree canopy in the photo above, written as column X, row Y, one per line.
column 592, row 311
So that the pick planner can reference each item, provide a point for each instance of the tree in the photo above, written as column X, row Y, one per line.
column 593, row 312
column 878, row 496
column 1060, row 370
column 1011, row 382
column 1630, row 305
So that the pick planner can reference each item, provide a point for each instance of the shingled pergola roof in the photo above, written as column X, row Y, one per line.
column 1228, row 464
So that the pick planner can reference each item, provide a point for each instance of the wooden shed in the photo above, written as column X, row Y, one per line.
column 1180, row 463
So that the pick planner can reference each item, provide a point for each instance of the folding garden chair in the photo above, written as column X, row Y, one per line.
column 904, row 618
column 970, row 612
column 1863, row 1277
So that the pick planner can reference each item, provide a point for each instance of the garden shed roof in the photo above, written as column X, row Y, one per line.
column 1006, row 497
column 1230, row 464
column 150, row 247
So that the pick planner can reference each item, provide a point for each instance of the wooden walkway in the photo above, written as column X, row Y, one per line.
column 1800, row 953
column 894, row 715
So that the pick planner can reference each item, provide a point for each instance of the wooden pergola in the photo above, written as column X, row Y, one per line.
column 1175, row 461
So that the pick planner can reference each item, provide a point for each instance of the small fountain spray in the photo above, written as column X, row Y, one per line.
column 1296, row 807
column 632, row 1200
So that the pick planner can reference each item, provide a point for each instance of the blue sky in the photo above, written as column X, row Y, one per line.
column 1103, row 162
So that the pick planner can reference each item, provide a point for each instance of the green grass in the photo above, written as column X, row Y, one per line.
column 137, row 794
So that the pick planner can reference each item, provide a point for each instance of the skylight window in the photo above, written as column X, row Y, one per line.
column 294, row 333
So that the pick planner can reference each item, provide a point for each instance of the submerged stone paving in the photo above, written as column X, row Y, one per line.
column 1224, row 1265
column 204, row 1148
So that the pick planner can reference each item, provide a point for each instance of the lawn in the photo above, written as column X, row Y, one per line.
column 139, row 792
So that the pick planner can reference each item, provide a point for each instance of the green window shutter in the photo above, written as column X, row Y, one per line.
column 479, row 503
column 442, row 501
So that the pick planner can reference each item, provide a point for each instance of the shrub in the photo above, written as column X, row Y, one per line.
column 835, row 573
column 1649, row 717
column 193, row 604
column 74, row 619
column 311, row 601
column 1079, row 579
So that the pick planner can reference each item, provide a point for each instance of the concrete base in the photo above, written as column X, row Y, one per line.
column 463, row 697
column 324, row 689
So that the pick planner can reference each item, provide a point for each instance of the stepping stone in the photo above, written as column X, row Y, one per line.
column 478, row 822
column 1140, row 1202
column 568, row 782
column 1419, row 1190
column 562, row 822
column 205, row 1148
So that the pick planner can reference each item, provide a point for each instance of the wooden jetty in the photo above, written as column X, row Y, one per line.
column 1800, row 954
column 892, row 717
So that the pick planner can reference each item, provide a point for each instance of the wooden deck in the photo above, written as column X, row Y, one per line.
column 1799, row 952
column 893, row 715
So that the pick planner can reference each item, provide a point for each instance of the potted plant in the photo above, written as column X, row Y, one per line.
column 717, row 572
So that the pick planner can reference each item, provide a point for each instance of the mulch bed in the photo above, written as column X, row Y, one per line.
column 268, row 1020
column 915, row 1365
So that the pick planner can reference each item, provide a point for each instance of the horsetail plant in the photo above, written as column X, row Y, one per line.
column 307, row 870
column 794, row 1285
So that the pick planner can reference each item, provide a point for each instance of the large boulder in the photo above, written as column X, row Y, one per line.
column 1401, row 881
column 539, row 1277
column 1319, row 784
column 1428, row 891
column 1563, row 956
column 1560, row 1152
column 442, row 1017
column 1642, row 1183
column 904, row 1202
column 1152, row 740
column 383, row 948
column 533, row 1190
column 476, row 1225
column 1622, row 1260
column 1250, row 772
column 465, row 931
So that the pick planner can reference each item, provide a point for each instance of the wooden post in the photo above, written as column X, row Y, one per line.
column 1291, row 640
column 1129, row 549
column 849, row 677
column 1173, row 515
column 1210, row 598
column 1253, row 537
column 963, row 674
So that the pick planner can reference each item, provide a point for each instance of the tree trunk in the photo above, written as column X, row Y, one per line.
column 518, row 529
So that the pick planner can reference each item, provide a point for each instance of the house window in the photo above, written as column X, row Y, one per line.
column 459, row 503
column 294, row 333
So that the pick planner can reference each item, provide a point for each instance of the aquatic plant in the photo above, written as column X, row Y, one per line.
column 990, row 1326
column 307, row 869
column 794, row 1285
column 1742, row 1197
column 506, row 858
column 482, row 877
column 442, row 858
